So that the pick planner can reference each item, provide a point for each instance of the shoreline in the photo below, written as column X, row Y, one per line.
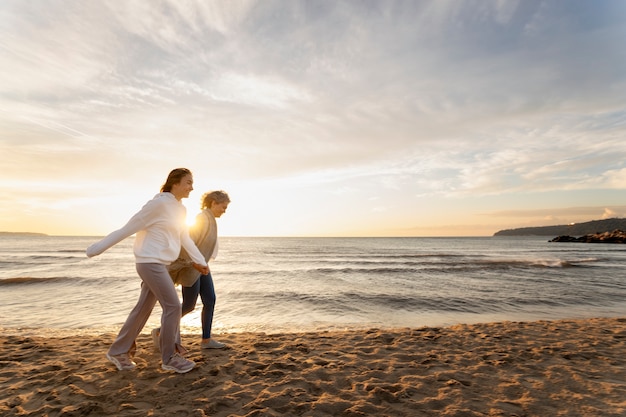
column 190, row 324
column 572, row 367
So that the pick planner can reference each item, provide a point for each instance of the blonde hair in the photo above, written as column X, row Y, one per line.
column 213, row 197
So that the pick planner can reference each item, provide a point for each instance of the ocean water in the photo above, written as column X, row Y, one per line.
column 301, row 284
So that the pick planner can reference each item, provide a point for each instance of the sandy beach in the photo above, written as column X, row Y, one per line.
column 545, row 368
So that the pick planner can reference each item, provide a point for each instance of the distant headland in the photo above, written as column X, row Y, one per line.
column 22, row 234
column 575, row 229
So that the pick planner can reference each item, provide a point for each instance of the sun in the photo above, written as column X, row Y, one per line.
column 191, row 218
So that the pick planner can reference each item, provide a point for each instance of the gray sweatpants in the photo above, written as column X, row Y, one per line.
column 156, row 286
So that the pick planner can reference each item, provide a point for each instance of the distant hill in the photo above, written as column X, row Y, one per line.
column 21, row 234
column 576, row 229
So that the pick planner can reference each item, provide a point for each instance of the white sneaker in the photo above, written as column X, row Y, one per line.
column 122, row 361
column 178, row 364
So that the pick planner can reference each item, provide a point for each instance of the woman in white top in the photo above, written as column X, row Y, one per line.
column 160, row 233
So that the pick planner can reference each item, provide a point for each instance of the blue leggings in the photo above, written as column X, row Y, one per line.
column 204, row 287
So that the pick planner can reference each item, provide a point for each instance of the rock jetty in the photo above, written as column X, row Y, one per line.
column 616, row 236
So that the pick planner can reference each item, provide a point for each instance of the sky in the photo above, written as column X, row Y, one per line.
column 318, row 117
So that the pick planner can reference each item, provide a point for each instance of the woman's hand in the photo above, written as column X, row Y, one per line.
column 203, row 269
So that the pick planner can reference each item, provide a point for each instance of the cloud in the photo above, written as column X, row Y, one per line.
column 436, row 100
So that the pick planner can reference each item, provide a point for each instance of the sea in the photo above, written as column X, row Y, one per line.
column 298, row 284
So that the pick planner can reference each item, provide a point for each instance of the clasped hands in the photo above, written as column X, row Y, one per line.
column 203, row 269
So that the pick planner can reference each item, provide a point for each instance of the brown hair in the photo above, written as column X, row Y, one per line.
column 174, row 178
column 213, row 196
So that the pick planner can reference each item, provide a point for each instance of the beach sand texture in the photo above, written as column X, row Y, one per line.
column 544, row 368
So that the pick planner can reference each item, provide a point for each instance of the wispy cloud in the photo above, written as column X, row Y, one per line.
column 437, row 100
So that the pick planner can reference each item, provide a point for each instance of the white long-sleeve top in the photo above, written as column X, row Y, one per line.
column 160, row 232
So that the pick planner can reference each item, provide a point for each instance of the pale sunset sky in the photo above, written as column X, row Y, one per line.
column 318, row 117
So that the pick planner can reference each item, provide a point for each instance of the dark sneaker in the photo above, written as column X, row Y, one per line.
column 212, row 344
column 156, row 339
column 178, row 364
column 122, row 361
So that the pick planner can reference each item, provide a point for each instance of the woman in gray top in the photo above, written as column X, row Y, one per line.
column 204, row 235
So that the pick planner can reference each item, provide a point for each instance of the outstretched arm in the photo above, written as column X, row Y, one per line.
column 133, row 226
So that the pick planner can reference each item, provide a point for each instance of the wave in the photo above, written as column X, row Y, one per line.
column 33, row 280
column 40, row 260
column 355, row 303
column 537, row 263
column 53, row 257
column 411, row 267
